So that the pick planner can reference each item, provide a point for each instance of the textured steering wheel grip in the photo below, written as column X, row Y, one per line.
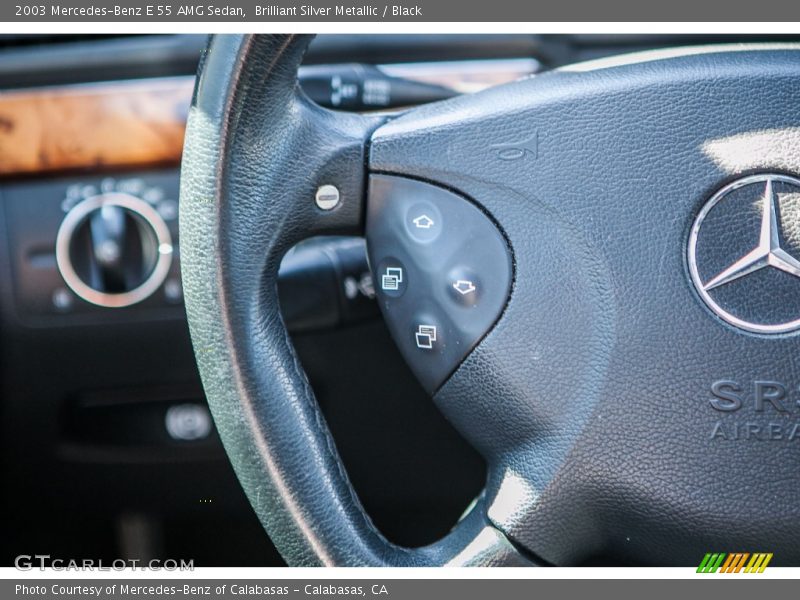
column 256, row 150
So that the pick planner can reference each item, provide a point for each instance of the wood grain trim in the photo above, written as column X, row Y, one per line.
column 97, row 126
column 141, row 123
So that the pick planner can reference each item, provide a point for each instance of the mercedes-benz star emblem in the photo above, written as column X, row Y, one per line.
column 743, row 253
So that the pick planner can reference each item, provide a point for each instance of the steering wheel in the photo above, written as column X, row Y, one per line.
column 577, row 298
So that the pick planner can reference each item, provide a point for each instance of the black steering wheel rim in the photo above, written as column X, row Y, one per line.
column 269, row 421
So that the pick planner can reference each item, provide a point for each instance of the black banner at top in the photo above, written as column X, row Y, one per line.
column 320, row 11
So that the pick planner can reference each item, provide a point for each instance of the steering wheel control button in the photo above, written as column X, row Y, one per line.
column 426, row 335
column 392, row 277
column 423, row 222
column 327, row 197
column 441, row 288
column 464, row 287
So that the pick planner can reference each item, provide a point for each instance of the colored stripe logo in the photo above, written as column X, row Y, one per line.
column 735, row 562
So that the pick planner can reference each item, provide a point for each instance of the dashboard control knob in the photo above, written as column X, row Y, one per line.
column 114, row 250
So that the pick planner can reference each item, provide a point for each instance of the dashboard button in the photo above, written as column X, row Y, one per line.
column 62, row 300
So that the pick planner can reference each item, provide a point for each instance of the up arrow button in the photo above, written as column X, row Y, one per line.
column 423, row 222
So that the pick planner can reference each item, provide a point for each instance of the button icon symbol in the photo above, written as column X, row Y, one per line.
column 464, row 287
column 392, row 279
column 518, row 150
column 425, row 336
column 423, row 222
